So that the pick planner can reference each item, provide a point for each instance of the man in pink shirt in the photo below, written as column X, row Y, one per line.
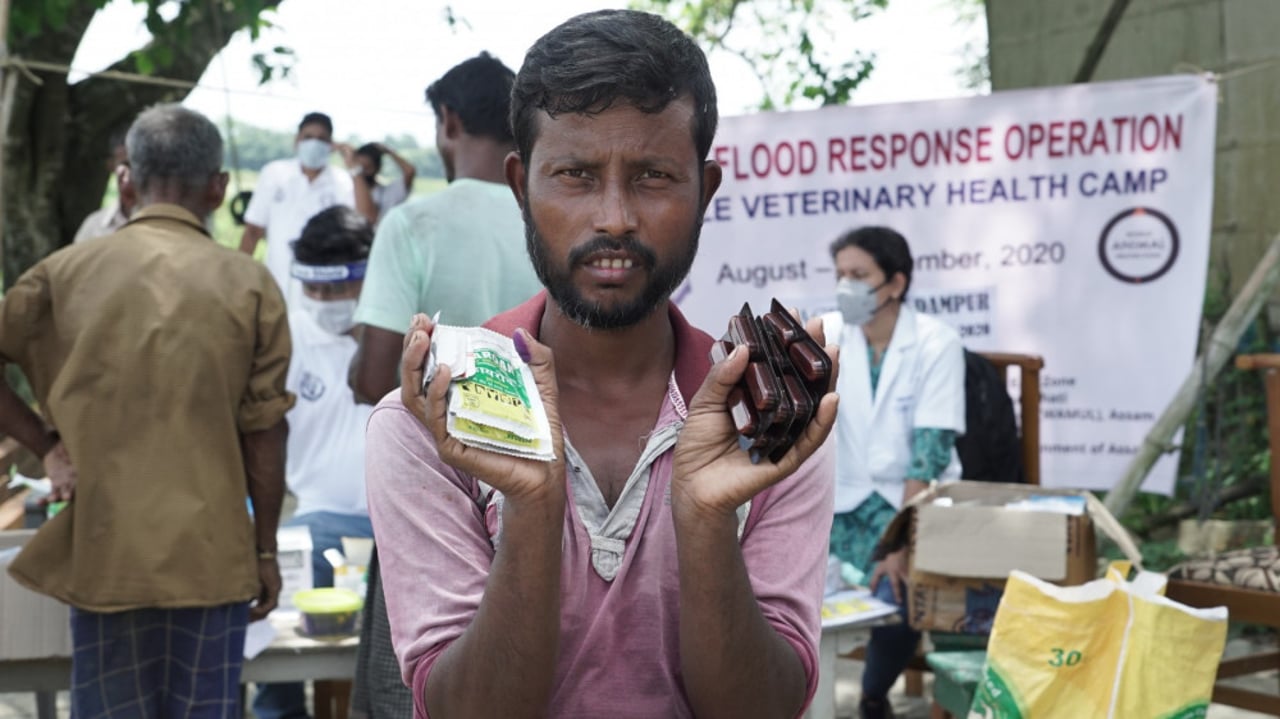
column 651, row 570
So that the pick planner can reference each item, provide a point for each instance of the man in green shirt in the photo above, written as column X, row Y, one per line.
column 459, row 251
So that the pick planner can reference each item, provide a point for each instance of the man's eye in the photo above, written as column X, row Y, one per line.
column 654, row 175
column 572, row 172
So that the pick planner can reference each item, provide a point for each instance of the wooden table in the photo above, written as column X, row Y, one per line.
column 292, row 657
column 289, row 658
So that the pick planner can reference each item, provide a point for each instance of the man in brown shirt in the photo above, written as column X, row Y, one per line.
column 158, row 360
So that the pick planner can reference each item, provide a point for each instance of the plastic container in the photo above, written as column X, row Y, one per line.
column 328, row 612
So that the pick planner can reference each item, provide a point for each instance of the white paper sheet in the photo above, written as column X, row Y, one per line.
column 257, row 637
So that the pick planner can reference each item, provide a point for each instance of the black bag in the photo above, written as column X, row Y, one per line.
column 990, row 450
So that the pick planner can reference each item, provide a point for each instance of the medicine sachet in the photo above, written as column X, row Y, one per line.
column 493, row 401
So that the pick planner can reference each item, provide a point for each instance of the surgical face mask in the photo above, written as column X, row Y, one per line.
column 313, row 153
column 334, row 316
column 857, row 301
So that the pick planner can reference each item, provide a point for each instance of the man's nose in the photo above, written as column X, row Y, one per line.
column 616, row 214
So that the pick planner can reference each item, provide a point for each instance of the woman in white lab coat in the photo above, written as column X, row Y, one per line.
column 901, row 388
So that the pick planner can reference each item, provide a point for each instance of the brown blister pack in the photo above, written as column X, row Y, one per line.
column 787, row 374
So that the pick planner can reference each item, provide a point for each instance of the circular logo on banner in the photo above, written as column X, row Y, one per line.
column 1138, row 245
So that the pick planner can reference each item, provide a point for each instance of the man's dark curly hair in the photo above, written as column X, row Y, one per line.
column 598, row 59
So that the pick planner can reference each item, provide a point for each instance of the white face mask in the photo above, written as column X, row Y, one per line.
column 313, row 153
column 857, row 301
column 334, row 316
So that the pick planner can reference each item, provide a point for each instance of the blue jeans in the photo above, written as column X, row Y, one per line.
column 289, row 700
column 890, row 648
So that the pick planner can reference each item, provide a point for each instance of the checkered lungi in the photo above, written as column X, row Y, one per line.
column 158, row 663
column 379, row 692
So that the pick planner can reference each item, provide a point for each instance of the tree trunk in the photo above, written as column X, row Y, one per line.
column 35, row 147
column 57, row 146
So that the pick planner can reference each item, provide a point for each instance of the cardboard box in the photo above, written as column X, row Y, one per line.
column 964, row 539
column 32, row 626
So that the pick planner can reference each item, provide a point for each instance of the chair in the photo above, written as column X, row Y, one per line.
column 1244, row 581
column 1029, row 367
column 957, row 659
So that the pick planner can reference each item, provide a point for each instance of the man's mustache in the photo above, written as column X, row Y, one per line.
column 610, row 243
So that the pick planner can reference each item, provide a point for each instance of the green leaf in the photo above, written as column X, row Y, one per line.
column 162, row 55
column 142, row 60
column 790, row 44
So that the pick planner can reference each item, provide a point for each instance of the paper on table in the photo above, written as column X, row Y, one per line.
column 852, row 606
column 257, row 637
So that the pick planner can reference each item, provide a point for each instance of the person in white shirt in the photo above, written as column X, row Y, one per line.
column 365, row 164
column 901, row 388
column 291, row 191
column 325, row 460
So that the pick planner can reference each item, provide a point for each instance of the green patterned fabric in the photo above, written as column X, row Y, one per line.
column 930, row 452
column 854, row 534
column 875, row 363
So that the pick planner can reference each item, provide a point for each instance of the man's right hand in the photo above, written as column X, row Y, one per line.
column 348, row 153
column 514, row 477
column 268, row 589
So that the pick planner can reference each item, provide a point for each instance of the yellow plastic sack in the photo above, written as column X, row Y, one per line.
column 1109, row 648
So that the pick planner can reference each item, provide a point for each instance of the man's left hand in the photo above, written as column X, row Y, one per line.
column 61, row 473
column 711, row 473
column 269, row 583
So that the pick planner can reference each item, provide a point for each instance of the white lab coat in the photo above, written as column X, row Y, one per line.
column 921, row 385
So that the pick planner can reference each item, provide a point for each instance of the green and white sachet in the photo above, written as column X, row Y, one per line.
column 493, row 400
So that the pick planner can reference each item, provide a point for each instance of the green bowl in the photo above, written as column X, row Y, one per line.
column 328, row 612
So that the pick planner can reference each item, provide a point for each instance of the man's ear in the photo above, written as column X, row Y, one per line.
column 127, row 191
column 452, row 122
column 217, row 190
column 711, row 177
column 515, row 171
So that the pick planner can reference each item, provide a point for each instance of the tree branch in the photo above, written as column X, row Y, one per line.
column 1093, row 55
column 192, row 39
column 55, row 40
column 1182, row 510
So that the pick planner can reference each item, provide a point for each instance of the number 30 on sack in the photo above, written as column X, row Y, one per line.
column 1064, row 658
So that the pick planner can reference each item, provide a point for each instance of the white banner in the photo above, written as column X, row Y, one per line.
column 1069, row 222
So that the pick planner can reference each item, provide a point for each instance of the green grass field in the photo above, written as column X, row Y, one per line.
column 227, row 233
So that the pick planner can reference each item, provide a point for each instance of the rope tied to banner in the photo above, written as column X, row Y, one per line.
column 1229, row 74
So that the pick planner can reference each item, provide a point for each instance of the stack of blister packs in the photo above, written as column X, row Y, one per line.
column 493, row 400
column 787, row 375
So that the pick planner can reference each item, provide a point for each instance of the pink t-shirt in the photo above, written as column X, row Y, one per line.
column 619, row 649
